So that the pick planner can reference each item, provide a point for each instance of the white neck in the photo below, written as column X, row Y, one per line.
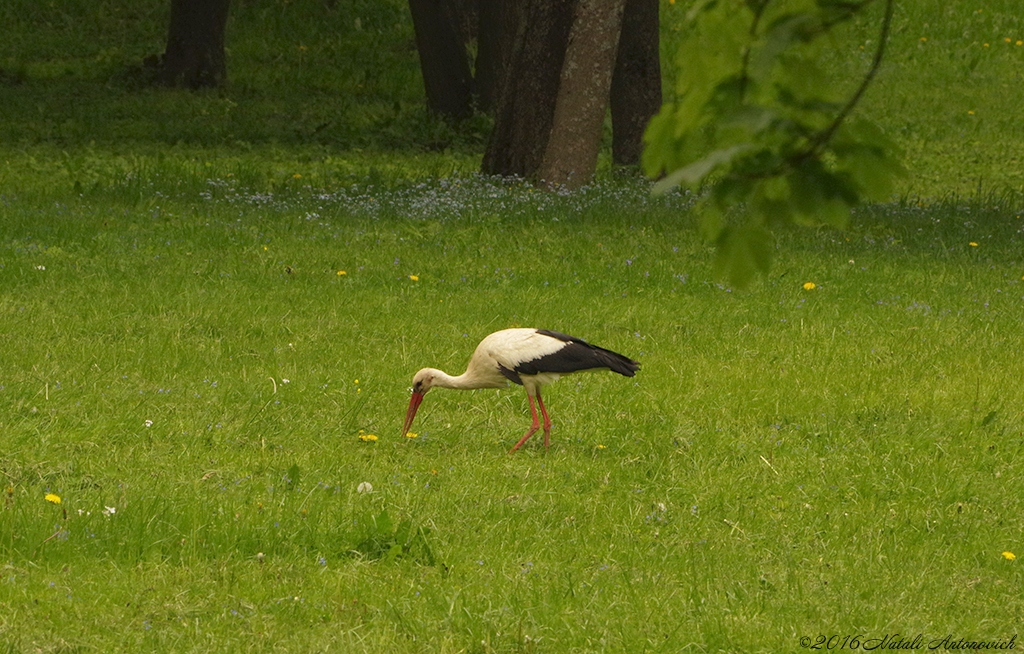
column 444, row 380
column 471, row 379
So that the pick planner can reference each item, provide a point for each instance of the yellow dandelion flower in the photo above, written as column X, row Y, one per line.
column 1009, row 556
column 342, row 272
column 601, row 447
column 924, row 38
column 970, row 113
column 410, row 434
column 973, row 244
column 1020, row 42
column 414, row 278
column 367, row 437
column 50, row 497
column 1008, row 40
column 296, row 176
column 809, row 286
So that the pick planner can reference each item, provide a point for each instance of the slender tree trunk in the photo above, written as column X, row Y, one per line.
column 195, row 44
column 570, row 157
column 636, row 83
column 443, row 59
column 523, row 118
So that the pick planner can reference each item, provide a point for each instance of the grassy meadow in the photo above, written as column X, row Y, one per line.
column 212, row 306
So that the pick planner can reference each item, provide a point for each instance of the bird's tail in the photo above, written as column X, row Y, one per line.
column 617, row 362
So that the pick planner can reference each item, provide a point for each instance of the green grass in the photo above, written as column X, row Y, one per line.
column 789, row 462
column 314, row 80
column 943, row 94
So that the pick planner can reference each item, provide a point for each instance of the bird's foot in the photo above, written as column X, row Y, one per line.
column 525, row 438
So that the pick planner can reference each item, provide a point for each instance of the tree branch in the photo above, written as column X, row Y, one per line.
column 818, row 142
column 826, row 134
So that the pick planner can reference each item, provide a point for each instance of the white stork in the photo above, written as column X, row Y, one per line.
column 528, row 357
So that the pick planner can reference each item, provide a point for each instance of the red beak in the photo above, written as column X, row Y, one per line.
column 414, row 403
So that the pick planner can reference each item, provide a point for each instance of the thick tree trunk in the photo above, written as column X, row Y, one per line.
column 571, row 154
column 636, row 83
column 524, row 114
column 195, row 44
column 443, row 59
column 464, row 18
column 495, row 40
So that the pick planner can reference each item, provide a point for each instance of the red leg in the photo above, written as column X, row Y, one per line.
column 547, row 421
column 536, row 424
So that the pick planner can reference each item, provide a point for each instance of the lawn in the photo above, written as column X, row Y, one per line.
column 200, row 342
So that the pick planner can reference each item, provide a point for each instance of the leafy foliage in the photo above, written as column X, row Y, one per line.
column 387, row 541
column 763, row 125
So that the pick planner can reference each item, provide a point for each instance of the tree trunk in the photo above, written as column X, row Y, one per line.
column 443, row 59
column 464, row 18
column 636, row 83
column 525, row 111
column 495, row 40
column 195, row 44
column 570, row 157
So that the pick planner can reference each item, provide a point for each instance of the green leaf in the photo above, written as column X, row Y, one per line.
column 698, row 8
column 783, row 32
column 743, row 252
column 869, row 157
column 402, row 531
column 837, row 11
column 772, row 201
column 712, row 220
column 820, row 196
column 754, row 119
column 382, row 523
column 695, row 173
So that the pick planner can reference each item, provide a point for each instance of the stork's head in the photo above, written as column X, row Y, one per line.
column 424, row 380
column 421, row 383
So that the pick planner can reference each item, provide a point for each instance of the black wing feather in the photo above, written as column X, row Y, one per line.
column 575, row 356
column 511, row 375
